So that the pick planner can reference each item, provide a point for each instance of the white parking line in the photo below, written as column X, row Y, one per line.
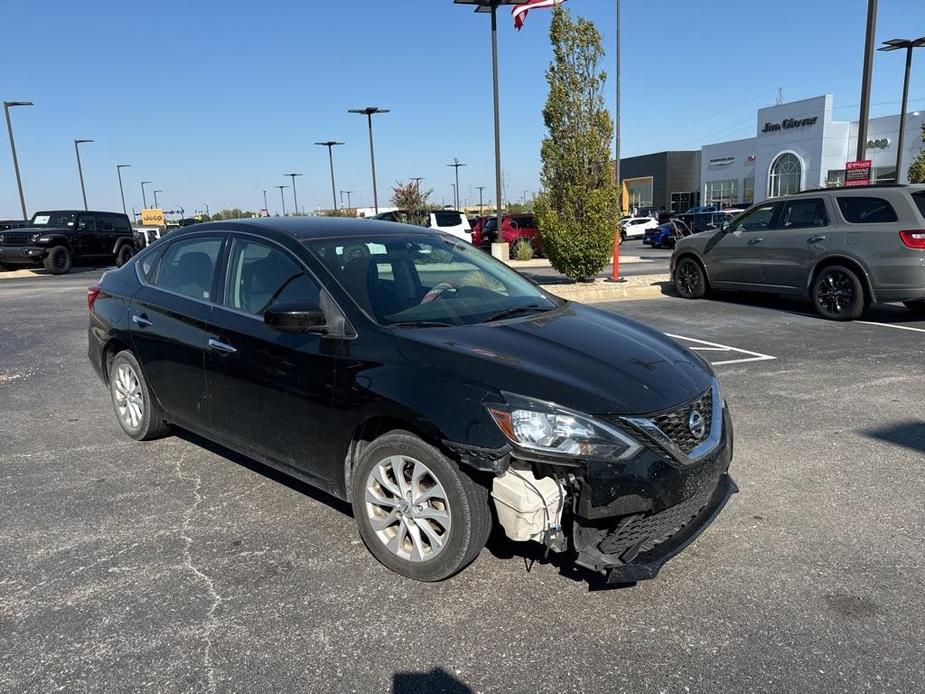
column 716, row 347
column 891, row 325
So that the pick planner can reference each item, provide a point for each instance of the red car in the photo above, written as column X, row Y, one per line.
column 515, row 230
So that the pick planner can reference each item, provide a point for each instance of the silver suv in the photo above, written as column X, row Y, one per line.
column 845, row 248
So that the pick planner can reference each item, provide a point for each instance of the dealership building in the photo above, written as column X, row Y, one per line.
column 797, row 146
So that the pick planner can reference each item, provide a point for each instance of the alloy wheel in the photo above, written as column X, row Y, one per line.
column 688, row 278
column 407, row 508
column 835, row 292
column 130, row 404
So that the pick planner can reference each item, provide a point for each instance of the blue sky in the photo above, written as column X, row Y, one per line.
column 215, row 101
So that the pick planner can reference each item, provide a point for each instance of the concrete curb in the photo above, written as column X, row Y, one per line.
column 639, row 287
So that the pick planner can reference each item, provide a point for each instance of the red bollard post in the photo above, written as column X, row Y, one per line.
column 615, row 272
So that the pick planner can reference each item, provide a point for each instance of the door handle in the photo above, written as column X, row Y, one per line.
column 752, row 242
column 219, row 346
column 817, row 239
column 141, row 321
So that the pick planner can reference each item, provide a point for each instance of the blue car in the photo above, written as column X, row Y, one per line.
column 660, row 237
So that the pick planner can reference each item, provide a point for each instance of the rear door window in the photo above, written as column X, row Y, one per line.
column 189, row 266
column 863, row 210
column 448, row 219
column 104, row 223
column 803, row 214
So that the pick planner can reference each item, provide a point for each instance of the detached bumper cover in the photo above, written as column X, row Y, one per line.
column 638, row 547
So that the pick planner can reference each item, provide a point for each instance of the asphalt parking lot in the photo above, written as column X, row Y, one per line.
column 178, row 566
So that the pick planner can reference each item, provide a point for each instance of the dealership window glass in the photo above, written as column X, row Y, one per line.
column 748, row 190
column 835, row 178
column 758, row 219
column 188, row 267
column 786, row 175
column 863, row 210
column 884, row 174
column 260, row 275
column 720, row 192
column 639, row 192
column 804, row 214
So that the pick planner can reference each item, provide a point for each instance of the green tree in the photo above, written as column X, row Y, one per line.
column 917, row 167
column 576, row 212
column 410, row 197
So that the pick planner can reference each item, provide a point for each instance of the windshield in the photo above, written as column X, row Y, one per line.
column 58, row 220
column 421, row 280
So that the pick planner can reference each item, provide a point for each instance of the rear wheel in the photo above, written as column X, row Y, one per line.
column 124, row 254
column 838, row 294
column 58, row 261
column 690, row 281
column 417, row 512
column 917, row 306
column 135, row 407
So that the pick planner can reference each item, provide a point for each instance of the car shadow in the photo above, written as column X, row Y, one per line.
column 436, row 681
column 896, row 314
column 270, row 473
column 909, row 435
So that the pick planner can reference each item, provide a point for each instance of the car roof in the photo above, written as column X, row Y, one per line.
column 310, row 227
column 52, row 211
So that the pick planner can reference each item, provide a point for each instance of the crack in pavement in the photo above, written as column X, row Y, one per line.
column 188, row 563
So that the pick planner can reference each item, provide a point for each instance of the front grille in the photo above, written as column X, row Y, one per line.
column 16, row 238
column 640, row 533
column 676, row 424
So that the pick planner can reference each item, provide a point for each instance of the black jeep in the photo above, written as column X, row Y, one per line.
column 55, row 239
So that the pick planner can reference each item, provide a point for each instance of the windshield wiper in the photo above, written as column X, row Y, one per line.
column 420, row 324
column 516, row 311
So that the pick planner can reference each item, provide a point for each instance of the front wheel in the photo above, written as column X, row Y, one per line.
column 123, row 255
column 689, row 279
column 417, row 512
column 838, row 294
column 917, row 306
column 58, row 261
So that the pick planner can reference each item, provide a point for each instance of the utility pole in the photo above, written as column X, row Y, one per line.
column 119, row 168
column 456, row 166
column 295, row 200
column 481, row 189
column 866, row 79
column 281, row 198
column 80, row 170
column 909, row 45
column 266, row 207
column 331, row 144
column 7, row 105
column 144, row 200
column 369, row 112
column 616, row 122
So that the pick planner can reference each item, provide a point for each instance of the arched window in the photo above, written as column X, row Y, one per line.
column 786, row 175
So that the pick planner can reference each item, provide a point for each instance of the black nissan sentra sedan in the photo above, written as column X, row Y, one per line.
column 432, row 387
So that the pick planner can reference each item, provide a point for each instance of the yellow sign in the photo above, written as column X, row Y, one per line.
column 153, row 218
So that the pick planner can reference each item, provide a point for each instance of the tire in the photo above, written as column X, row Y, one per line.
column 838, row 294
column 58, row 261
column 917, row 306
column 690, row 281
column 136, row 410
column 452, row 499
column 124, row 254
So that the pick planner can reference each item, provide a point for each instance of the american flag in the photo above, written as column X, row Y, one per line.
column 519, row 12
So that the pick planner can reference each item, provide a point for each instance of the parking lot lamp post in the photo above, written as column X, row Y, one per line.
column 80, row 170
column 369, row 112
column 481, row 190
column 909, row 45
column 866, row 78
column 119, row 168
column 7, row 105
column 144, row 199
column 155, row 197
column 266, row 207
column 331, row 144
column 207, row 210
column 455, row 196
column 295, row 200
column 456, row 166
column 491, row 6
column 281, row 198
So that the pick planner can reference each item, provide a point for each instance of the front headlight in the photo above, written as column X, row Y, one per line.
column 553, row 430
column 33, row 238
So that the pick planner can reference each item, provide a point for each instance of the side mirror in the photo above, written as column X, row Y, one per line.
column 296, row 317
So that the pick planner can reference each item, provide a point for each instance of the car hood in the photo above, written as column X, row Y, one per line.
column 575, row 356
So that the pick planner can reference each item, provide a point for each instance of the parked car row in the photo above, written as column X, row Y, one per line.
column 844, row 248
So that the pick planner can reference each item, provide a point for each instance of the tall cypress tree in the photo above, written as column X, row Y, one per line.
column 577, row 211
column 917, row 167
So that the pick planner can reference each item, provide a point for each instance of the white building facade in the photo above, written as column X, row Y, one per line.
column 798, row 146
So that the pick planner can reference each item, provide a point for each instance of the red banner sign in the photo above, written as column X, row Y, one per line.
column 857, row 173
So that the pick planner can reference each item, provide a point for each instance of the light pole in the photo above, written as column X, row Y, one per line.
column 865, row 80
column 331, row 144
column 155, row 198
column 266, row 207
column 348, row 192
column 491, row 6
column 281, row 198
column 480, row 189
column 369, row 112
column 119, row 168
column 295, row 200
column 144, row 200
column 455, row 195
column 7, row 105
column 456, row 166
column 909, row 45
column 207, row 210
column 616, row 122
column 80, row 170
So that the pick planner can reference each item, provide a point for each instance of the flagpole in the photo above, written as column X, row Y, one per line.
column 616, row 122
column 494, row 69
